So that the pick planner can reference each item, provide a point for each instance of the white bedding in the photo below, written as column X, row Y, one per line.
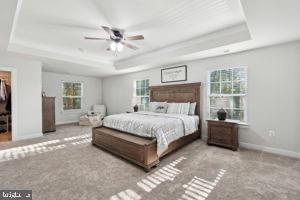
column 164, row 127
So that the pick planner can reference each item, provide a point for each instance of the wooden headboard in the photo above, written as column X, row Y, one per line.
column 178, row 93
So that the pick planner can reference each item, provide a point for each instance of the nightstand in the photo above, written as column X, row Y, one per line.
column 223, row 133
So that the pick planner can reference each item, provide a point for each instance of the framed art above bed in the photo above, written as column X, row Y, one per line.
column 174, row 74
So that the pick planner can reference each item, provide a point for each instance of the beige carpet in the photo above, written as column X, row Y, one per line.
column 64, row 165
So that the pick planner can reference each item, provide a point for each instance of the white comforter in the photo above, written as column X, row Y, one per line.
column 164, row 127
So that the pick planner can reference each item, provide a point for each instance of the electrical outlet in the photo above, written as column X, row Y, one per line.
column 271, row 133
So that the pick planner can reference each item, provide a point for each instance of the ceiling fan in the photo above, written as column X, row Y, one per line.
column 117, row 38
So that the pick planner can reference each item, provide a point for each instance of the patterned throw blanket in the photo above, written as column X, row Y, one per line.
column 166, row 128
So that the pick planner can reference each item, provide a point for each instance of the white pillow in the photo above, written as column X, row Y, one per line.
column 172, row 108
column 192, row 108
column 178, row 108
column 158, row 107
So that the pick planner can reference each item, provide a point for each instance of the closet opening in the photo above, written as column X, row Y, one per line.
column 5, row 106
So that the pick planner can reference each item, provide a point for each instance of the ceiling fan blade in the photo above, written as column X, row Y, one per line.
column 93, row 38
column 135, row 37
column 107, row 30
column 130, row 46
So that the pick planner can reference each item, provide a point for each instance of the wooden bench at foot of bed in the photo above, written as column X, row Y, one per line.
column 139, row 150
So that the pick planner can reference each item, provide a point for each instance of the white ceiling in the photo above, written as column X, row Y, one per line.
column 175, row 31
column 7, row 13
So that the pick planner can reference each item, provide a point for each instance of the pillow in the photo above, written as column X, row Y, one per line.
column 192, row 108
column 172, row 108
column 158, row 107
column 178, row 108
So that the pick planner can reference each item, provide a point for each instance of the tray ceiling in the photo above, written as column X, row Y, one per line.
column 175, row 31
column 59, row 26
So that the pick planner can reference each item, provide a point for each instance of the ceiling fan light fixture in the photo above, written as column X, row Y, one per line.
column 120, row 47
column 113, row 46
column 117, row 40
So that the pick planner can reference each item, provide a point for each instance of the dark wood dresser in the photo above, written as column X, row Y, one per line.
column 223, row 133
column 48, row 114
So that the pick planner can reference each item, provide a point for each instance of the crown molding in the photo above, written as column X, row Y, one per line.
column 56, row 55
column 232, row 35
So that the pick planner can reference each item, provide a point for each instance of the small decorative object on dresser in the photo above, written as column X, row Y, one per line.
column 223, row 133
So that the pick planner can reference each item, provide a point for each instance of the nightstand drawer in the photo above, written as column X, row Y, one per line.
column 221, row 140
column 218, row 132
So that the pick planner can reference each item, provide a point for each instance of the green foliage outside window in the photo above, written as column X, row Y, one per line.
column 142, row 93
column 72, row 95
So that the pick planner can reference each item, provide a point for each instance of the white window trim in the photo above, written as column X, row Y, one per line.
column 134, row 89
column 224, row 95
column 62, row 92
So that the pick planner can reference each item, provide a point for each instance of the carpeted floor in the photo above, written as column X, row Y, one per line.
column 64, row 165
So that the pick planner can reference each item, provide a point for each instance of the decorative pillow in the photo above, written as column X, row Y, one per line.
column 192, row 108
column 158, row 107
column 172, row 108
column 178, row 108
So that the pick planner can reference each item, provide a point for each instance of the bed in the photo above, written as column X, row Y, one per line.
column 126, row 135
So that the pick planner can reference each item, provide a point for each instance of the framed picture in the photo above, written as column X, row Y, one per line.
column 174, row 74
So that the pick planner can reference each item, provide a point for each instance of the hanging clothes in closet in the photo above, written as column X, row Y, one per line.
column 8, row 103
column 3, row 92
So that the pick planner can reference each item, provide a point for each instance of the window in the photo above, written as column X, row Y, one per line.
column 141, row 94
column 227, row 89
column 72, row 95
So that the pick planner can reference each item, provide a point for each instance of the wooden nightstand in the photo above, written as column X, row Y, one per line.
column 223, row 133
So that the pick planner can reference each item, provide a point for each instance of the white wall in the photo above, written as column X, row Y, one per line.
column 26, row 74
column 273, row 100
column 52, row 85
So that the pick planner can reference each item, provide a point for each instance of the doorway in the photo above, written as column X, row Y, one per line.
column 5, row 106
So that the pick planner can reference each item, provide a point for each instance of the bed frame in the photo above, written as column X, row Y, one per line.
column 140, row 150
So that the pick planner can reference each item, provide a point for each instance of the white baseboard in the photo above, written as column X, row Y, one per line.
column 27, row 136
column 262, row 148
column 67, row 122
column 277, row 151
